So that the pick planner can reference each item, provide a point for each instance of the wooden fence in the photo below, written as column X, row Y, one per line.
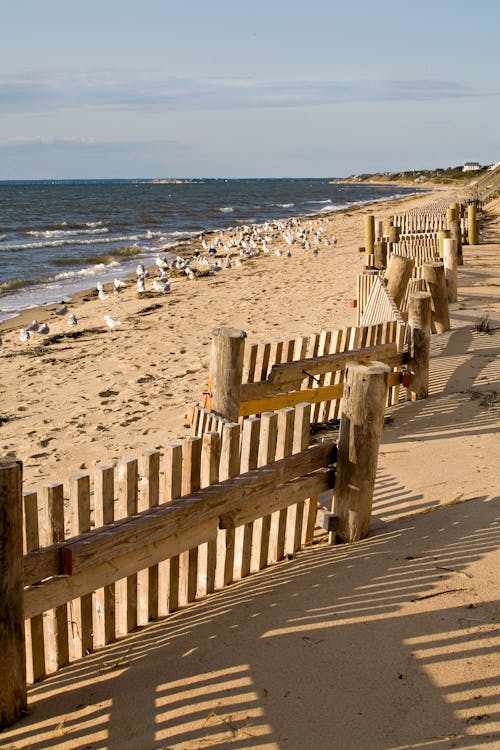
column 309, row 368
column 92, row 561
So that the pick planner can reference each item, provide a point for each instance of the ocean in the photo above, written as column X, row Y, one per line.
column 61, row 237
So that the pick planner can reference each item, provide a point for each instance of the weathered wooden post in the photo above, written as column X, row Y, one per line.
column 436, row 281
column 456, row 234
column 369, row 233
column 379, row 229
column 397, row 275
column 13, row 696
column 361, row 422
column 380, row 254
column 419, row 329
column 472, row 224
column 450, row 268
column 387, row 224
column 226, row 369
column 442, row 235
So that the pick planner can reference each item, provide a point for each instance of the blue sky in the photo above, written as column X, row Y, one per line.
column 122, row 88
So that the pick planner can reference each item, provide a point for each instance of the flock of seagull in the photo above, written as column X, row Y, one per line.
column 239, row 244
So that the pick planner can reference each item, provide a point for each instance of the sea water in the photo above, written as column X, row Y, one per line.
column 60, row 237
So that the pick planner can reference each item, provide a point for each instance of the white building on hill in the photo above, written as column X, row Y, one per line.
column 471, row 166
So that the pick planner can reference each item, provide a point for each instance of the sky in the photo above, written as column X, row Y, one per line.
column 265, row 88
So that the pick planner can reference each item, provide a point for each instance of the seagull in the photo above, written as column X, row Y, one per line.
column 140, row 270
column 288, row 254
column 112, row 322
column 141, row 287
column 61, row 310
column 315, row 251
column 43, row 329
column 277, row 252
column 161, row 263
column 118, row 285
column 334, row 240
column 102, row 294
column 33, row 326
column 72, row 320
column 99, row 286
column 160, row 286
column 24, row 335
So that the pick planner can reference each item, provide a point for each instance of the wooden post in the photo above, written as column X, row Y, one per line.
column 13, row 696
column 436, row 282
column 226, row 369
column 394, row 235
column 472, row 224
column 398, row 274
column 387, row 224
column 450, row 268
column 379, row 229
column 369, row 233
column 361, row 422
column 442, row 235
column 380, row 254
column 419, row 329
column 456, row 234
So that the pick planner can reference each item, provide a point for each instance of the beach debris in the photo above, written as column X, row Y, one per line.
column 483, row 325
column 72, row 320
column 112, row 322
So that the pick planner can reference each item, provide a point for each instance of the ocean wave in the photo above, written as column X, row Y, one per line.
column 225, row 209
column 285, row 205
column 12, row 284
column 61, row 242
column 66, row 232
column 93, row 270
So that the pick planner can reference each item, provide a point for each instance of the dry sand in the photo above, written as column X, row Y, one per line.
column 386, row 644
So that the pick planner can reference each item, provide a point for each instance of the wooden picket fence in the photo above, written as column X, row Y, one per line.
column 308, row 369
column 134, row 542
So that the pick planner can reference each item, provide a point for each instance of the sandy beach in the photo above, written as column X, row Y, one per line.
column 388, row 644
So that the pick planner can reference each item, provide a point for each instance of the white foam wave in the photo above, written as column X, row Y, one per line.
column 225, row 209
column 66, row 232
column 88, row 271
column 60, row 242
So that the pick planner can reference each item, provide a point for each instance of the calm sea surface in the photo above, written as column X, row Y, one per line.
column 57, row 238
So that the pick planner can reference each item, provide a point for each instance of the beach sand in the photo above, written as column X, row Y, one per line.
column 387, row 644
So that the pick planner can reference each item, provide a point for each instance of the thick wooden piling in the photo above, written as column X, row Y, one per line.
column 361, row 422
column 450, row 268
column 398, row 274
column 226, row 369
column 13, row 696
column 436, row 282
column 472, row 224
column 369, row 233
column 380, row 254
column 419, row 326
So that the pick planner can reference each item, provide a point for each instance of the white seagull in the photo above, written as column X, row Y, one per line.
column 112, row 322
column 24, row 335
column 43, row 329
column 72, row 320
column 33, row 326
column 61, row 310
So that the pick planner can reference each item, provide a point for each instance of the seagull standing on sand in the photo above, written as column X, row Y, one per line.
column 24, row 335
column 118, row 285
column 141, row 286
column 43, row 329
column 61, row 310
column 33, row 326
column 112, row 322
column 72, row 320
column 102, row 294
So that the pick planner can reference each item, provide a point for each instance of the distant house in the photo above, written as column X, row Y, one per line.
column 471, row 166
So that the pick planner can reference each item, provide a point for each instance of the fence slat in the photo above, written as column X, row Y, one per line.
column 149, row 497
column 126, row 591
column 209, row 474
column 284, row 447
column 249, row 456
column 53, row 502
column 229, row 468
column 35, row 640
column 80, row 609
column 266, row 454
column 300, row 441
column 104, row 513
column 173, row 490
column 191, row 467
